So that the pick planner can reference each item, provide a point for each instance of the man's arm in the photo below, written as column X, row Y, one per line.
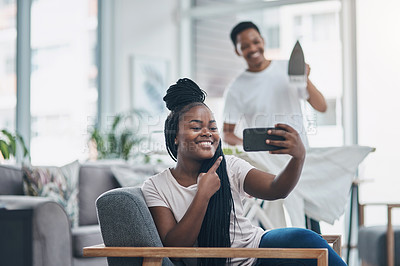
column 316, row 99
column 229, row 135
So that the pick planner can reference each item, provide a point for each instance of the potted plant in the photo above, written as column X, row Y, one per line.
column 9, row 143
column 121, row 139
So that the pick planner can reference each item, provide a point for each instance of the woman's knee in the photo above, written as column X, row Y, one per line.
column 292, row 237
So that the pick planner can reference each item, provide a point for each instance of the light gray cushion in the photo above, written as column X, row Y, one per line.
column 372, row 245
column 95, row 261
column 132, row 176
column 11, row 180
column 84, row 236
column 94, row 179
column 125, row 220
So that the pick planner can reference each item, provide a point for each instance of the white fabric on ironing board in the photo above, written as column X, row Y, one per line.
column 323, row 190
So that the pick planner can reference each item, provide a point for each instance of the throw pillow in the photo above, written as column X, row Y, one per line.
column 132, row 176
column 58, row 183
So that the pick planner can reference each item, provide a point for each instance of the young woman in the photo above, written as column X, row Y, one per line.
column 199, row 201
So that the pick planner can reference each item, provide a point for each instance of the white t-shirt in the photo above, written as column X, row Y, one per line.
column 262, row 99
column 163, row 190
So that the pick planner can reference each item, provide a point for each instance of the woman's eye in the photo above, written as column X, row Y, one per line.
column 196, row 128
column 214, row 129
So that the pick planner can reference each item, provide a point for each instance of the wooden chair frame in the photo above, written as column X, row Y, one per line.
column 389, row 230
column 152, row 256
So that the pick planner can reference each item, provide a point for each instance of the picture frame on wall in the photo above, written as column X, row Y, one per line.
column 149, row 77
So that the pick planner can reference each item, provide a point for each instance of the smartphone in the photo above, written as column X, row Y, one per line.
column 254, row 139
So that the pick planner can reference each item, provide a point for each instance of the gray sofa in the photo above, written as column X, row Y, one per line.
column 53, row 242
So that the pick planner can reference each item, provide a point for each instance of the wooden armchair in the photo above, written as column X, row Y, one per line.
column 376, row 244
column 131, row 238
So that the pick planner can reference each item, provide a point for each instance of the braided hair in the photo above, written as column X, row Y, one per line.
column 214, row 232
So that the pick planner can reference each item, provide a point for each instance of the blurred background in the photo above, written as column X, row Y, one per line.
column 69, row 66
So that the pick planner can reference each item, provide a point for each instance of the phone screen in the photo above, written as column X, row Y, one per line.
column 254, row 139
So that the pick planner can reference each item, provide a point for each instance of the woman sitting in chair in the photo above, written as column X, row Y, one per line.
column 199, row 201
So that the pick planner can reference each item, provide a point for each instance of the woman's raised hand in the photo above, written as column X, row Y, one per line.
column 209, row 183
column 291, row 145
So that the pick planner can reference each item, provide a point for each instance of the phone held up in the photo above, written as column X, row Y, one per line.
column 254, row 139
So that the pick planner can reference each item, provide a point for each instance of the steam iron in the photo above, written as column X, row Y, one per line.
column 297, row 66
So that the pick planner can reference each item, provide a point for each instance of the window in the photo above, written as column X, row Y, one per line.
column 8, row 35
column 324, row 27
column 64, row 71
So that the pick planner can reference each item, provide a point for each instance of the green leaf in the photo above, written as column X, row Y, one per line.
column 100, row 143
column 13, row 147
column 119, row 140
column 13, row 142
column 8, row 134
column 25, row 149
column 112, row 144
column 126, row 150
column 4, row 149
column 116, row 121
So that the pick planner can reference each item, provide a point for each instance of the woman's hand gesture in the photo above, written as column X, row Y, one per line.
column 209, row 183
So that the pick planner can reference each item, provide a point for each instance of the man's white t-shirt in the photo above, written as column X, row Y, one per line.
column 262, row 99
column 163, row 190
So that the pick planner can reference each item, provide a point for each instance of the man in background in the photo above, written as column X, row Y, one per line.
column 262, row 95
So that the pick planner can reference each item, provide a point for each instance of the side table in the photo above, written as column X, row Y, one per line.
column 16, row 237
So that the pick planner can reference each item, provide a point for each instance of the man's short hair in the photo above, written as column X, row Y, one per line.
column 244, row 25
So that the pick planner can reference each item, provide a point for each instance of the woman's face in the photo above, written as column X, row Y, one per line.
column 198, row 135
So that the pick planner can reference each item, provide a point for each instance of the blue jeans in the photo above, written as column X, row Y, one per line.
column 296, row 238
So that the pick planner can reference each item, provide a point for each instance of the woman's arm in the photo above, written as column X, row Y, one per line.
column 184, row 233
column 270, row 187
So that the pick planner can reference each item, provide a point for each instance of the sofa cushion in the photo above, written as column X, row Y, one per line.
column 372, row 245
column 134, row 175
column 94, row 179
column 57, row 183
column 11, row 180
column 84, row 236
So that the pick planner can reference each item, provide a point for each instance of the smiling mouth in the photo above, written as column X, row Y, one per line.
column 205, row 144
column 255, row 55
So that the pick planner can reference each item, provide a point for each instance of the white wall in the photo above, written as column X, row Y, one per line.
column 145, row 28
column 378, row 53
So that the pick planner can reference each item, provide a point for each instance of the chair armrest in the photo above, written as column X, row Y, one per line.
column 154, row 255
column 389, row 206
column 389, row 230
column 336, row 241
